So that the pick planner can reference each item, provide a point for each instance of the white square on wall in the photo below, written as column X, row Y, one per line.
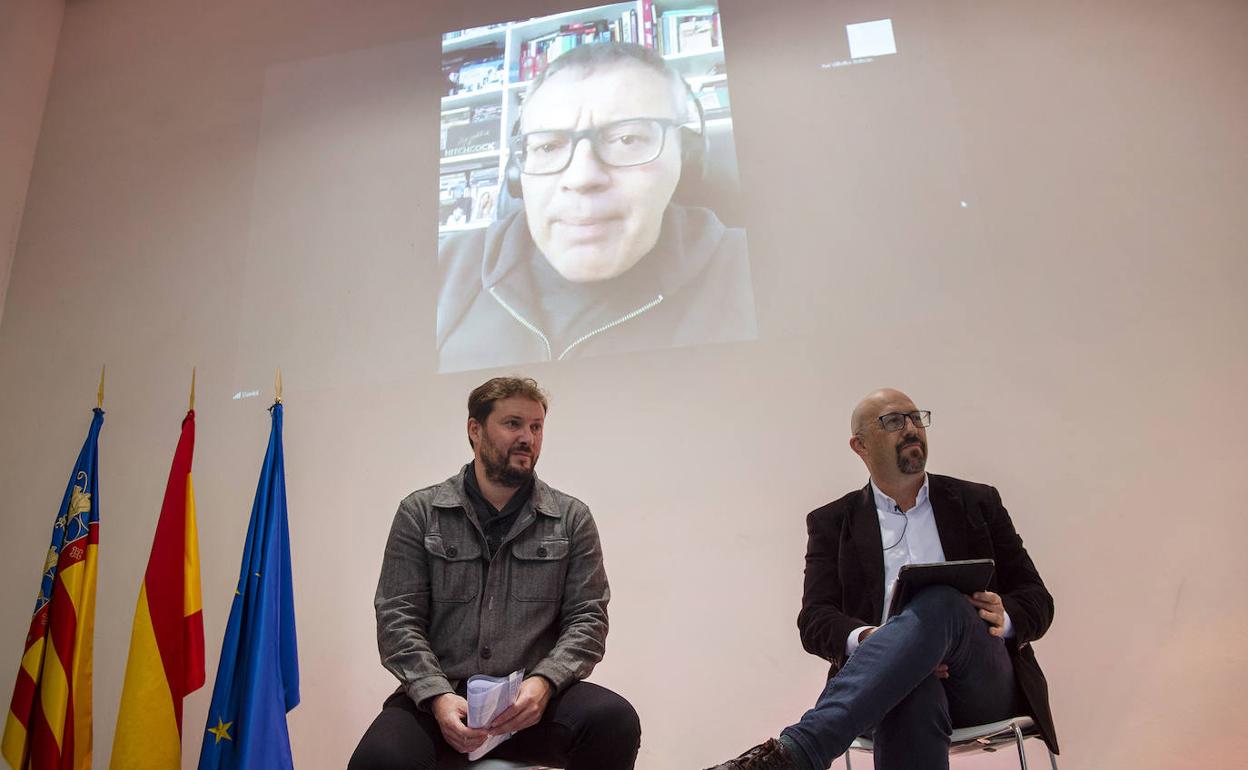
column 871, row 38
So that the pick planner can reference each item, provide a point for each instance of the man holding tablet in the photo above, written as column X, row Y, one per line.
column 947, row 659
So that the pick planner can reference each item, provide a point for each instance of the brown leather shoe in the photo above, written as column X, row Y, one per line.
column 771, row 755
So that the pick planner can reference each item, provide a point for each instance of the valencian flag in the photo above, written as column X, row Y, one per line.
column 258, row 676
column 49, row 720
column 167, row 641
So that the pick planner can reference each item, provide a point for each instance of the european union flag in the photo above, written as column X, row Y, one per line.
column 258, row 676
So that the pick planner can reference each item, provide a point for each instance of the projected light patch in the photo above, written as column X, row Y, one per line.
column 871, row 38
column 588, row 200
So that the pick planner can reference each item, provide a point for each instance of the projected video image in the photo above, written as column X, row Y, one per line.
column 589, row 199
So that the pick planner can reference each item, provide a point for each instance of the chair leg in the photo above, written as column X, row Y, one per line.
column 1018, row 740
column 847, row 765
column 1052, row 759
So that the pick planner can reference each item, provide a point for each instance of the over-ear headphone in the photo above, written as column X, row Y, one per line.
column 693, row 149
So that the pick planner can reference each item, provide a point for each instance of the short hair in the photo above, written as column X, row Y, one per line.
column 593, row 56
column 481, row 399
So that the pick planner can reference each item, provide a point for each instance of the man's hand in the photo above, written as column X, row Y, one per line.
column 991, row 610
column 530, row 704
column 451, row 711
column 942, row 671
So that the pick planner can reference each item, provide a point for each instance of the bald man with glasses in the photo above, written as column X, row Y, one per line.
column 946, row 660
column 599, row 259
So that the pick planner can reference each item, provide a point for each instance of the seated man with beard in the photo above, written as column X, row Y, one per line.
column 945, row 660
column 489, row 572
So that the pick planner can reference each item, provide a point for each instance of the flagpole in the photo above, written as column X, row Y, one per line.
column 166, row 659
column 49, row 719
column 257, row 679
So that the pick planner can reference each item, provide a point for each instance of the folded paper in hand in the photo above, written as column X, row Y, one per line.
column 489, row 696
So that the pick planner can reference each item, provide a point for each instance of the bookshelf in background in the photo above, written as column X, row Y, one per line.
column 487, row 70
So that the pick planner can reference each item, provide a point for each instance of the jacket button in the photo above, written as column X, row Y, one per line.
column 541, row 553
column 486, row 653
column 452, row 551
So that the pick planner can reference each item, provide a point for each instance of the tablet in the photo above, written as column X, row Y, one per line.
column 967, row 576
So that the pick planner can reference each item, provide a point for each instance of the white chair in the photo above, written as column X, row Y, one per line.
column 968, row 740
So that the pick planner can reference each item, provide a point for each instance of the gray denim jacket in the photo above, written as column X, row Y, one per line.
column 446, row 611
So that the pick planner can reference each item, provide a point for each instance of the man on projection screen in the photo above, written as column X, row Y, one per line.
column 490, row 572
column 599, row 259
column 946, row 659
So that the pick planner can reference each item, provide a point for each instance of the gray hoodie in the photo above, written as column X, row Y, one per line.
column 501, row 303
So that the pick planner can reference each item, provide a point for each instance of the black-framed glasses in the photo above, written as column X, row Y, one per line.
column 895, row 421
column 621, row 143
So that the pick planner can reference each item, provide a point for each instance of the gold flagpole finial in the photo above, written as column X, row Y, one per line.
column 191, row 408
column 277, row 387
column 99, row 395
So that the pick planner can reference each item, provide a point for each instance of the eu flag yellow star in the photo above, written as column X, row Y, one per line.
column 222, row 730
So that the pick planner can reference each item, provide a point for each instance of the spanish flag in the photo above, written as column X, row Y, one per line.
column 167, row 641
column 49, row 720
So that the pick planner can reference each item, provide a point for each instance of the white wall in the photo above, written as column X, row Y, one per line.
column 1086, row 357
column 28, row 32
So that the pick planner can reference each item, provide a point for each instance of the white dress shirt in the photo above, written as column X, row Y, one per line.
column 908, row 537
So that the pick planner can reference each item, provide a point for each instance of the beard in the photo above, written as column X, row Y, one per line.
column 498, row 467
column 909, row 463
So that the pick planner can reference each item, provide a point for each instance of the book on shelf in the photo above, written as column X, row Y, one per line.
column 712, row 94
column 484, row 190
column 484, row 112
column 449, row 36
column 648, row 18
column 480, row 75
column 538, row 52
column 688, row 30
column 534, row 55
column 456, row 117
column 473, row 69
column 470, row 130
column 590, row 32
column 454, row 198
column 452, row 186
column 526, row 63
column 695, row 34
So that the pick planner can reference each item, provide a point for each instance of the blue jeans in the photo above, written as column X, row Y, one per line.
column 887, row 687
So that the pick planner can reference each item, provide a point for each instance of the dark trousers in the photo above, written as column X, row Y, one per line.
column 887, row 687
column 585, row 727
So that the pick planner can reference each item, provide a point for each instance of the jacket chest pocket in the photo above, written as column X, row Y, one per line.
column 454, row 569
column 538, row 568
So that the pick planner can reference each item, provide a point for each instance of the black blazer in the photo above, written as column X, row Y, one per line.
column 844, row 586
